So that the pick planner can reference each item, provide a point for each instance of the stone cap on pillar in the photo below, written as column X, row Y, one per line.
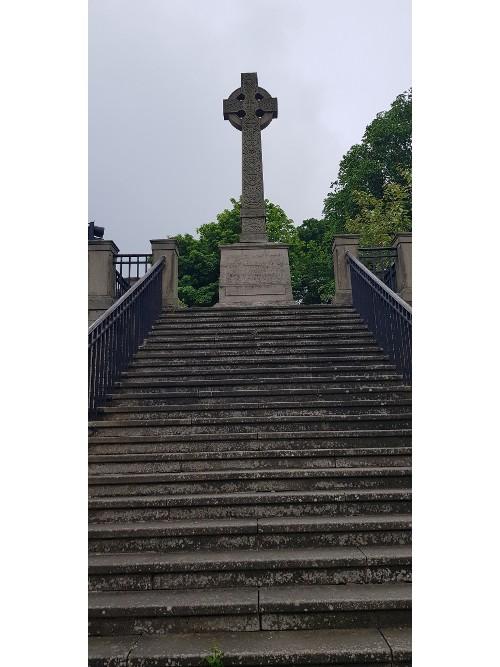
column 345, row 239
column 101, row 244
column 165, row 244
column 401, row 237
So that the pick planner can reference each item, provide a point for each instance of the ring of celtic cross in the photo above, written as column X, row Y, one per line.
column 265, row 107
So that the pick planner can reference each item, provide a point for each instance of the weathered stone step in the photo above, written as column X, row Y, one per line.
column 249, row 609
column 236, row 568
column 280, row 532
column 160, row 348
column 330, row 373
column 233, row 386
column 361, row 646
column 251, row 337
column 260, row 409
column 129, row 397
column 226, row 362
column 215, row 426
column 242, row 481
column 246, row 319
column 233, row 311
column 261, row 331
column 250, row 441
column 248, row 460
column 261, row 504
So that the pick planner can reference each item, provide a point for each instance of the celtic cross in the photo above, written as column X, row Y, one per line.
column 250, row 109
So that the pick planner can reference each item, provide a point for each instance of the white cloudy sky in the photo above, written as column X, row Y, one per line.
column 162, row 160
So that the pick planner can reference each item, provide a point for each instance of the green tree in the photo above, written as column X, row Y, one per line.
column 380, row 218
column 383, row 157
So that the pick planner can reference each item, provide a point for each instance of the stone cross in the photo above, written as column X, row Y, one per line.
column 250, row 109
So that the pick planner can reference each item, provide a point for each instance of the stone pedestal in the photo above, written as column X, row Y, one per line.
column 341, row 271
column 168, row 248
column 402, row 243
column 101, row 277
column 254, row 274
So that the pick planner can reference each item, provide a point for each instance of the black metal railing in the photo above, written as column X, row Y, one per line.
column 132, row 267
column 121, row 285
column 381, row 262
column 115, row 336
column 388, row 317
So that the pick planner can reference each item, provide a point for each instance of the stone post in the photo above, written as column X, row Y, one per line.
column 101, row 277
column 168, row 248
column 341, row 271
column 402, row 243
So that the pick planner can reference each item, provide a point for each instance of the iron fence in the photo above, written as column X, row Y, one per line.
column 381, row 262
column 386, row 314
column 115, row 336
column 131, row 268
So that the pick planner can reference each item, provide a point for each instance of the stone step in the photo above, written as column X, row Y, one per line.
column 248, row 505
column 102, row 464
column 249, row 609
column 331, row 374
column 252, row 337
column 251, row 441
column 262, row 331
column 231, row 312
column 215, row 426
column 226, row 362
column 243, row 481
column 126, row 396
column 353, row 647
column 242, row 568
column 259, row 409
column 275, row 533
column 203, row 387
column 248, row 319
column 221, row 348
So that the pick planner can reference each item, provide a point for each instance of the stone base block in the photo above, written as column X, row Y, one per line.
column 255, row 274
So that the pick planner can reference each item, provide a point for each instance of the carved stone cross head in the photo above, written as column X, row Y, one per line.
column 250, row 101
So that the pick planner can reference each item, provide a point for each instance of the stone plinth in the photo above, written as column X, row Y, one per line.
column 402, row 243
column 341, row 271
column 254, row 274
column 101, row 277
column 168, row 248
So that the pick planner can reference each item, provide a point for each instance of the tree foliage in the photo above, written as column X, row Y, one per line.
column 383, row 158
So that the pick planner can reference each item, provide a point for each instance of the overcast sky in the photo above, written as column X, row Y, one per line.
column 162, row 160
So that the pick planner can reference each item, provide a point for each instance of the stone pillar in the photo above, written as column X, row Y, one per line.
column 341, row 271
column 168, row 248
column 402, row 243
column 101, row 277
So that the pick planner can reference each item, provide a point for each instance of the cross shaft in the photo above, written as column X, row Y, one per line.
column 250, row 109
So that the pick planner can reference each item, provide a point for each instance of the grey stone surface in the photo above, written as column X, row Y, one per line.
column 110, row 651
column 399, row 640
column 101, row 277
column 250, row 109
column 254, row 273
column 264, row 648
column 168, row 248
column 402, row 243
column 341, row 245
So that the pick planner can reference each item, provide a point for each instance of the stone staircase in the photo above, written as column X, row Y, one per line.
column 250, row 488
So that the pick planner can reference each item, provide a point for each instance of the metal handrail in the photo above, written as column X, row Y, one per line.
column 386, row 314
column 116, row 335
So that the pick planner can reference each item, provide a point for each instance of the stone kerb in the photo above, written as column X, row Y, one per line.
column 402, row 243
column 168, row 248
column 101, row 277
column 342, row 274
